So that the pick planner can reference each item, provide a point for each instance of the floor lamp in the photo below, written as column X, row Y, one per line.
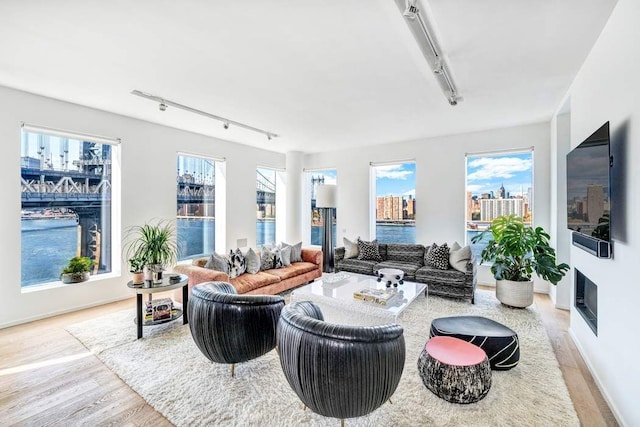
column 326, row 201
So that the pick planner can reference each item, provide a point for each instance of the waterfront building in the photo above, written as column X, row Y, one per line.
column 491, row 209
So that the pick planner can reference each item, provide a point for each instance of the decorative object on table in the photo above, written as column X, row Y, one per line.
column 377, row 296
column 455, row 370
column 158, row 309
column 231, row 328
column 391, row 277
column 174, row 278
column 499, row 342
column 307, row 346
column 156, row 244
column 136, row 268
column 78, row 270
column 516, row 251
column 334, row 277
column 326, row 200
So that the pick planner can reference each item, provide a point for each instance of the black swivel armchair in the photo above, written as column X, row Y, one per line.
column 339, row 371
column 232, row 328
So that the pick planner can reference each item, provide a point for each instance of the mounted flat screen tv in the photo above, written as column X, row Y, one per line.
column 589, row 186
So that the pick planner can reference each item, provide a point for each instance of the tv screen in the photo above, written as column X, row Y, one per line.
column 588, row 186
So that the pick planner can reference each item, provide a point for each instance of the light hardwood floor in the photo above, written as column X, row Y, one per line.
column 48, row 378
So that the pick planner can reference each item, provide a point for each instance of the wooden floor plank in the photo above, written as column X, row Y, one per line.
column 84, row 391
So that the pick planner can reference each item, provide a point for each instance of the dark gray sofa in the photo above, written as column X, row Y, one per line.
column 409, row 258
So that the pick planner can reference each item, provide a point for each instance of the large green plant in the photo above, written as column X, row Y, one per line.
column 153, row 243
column 517, row 250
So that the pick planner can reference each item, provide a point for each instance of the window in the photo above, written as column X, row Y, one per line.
column 265, row 207
column 313, row 179
column 196, row 206
column 497, row 184
column 66, row 184
column 395, row 203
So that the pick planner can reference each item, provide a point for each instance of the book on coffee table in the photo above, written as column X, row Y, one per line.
column 378, row 296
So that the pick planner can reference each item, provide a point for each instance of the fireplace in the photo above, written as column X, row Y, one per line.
column 586, row 300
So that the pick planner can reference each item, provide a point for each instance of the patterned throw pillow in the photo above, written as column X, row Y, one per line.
column 438, row 257
column 267, row 259
column 369, row 251
column 252, row 261
column 350, row 248
column 218, row 262
column 296, row 251
column 237, row 264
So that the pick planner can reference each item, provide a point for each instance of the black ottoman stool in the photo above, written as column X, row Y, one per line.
column 498, row 341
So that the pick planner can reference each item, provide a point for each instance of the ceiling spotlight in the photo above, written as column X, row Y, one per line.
column 411, row 11
column 453, row 100
column 269, row 136
column 226, row 125
column 163, row 106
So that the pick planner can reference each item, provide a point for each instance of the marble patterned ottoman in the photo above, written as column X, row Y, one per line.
column 498, row 341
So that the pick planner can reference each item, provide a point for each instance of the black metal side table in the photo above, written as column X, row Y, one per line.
column 166, row 285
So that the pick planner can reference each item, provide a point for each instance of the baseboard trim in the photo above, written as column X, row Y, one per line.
column 59, row 312
column 596, row 378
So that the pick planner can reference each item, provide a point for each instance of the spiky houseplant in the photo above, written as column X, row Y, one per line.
column 155, row 243
column 516, row 251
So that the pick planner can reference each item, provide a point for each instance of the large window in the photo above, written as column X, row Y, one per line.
column 497, row 184
column 66, row 211
column 395, row 204
column 196, row 206
column 313, row 179
column 265, row 207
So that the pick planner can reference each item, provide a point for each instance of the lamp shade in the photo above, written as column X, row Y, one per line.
column 326, row 196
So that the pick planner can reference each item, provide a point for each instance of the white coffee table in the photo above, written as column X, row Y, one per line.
column 336, row 300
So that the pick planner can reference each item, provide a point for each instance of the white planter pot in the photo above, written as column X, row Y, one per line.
column 514, row 294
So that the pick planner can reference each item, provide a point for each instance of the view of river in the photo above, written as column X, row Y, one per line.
column 45, row 262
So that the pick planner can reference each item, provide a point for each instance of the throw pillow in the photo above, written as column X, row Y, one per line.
column 252, row 261
column 350, row 248
column 438, row 257
column 285, row 256
column 296, row 251
column 459, row 257
column 369, row 251
column 237, row 264
column 267, row 259
column 218, row 262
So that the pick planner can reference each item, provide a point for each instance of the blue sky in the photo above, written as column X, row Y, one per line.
column 396, row 180
column 488, row 172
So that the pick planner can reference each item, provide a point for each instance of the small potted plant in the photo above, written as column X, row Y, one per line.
column 136, row 267
column 517, row 250
column 154, row 243
column 78, row 270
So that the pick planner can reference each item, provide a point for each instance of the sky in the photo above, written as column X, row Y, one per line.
column 396, row 180
column 488, row 172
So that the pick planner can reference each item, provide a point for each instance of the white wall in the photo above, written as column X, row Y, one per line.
column 440, row 181
column 607, row 88
column 148, row 153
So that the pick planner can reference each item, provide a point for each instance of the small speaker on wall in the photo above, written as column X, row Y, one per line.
column 594, row 246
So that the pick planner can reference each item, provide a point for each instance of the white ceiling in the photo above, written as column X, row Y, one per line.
column 324, row 74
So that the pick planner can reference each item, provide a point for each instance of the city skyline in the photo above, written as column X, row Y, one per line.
column 487, row 173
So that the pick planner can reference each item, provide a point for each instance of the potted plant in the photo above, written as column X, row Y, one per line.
column 78, row 270
column 155, row 244
column 136, row 267
column 518, row 250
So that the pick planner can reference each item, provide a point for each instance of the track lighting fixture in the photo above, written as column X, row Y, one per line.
column 165, row 103
column 422, row 32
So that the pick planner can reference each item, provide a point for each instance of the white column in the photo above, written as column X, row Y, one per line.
column 294, row 196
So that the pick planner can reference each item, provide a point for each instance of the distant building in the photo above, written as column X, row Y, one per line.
column 595, row 203
column 491, row 209
column 394, row 208
column 502, row 193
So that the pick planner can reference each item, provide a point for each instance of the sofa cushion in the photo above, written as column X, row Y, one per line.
column 267, row 259
column 368, row 250
column 450, row 276
column 292, row 270
column 438, row 257
column 357, row 266
column 459, row 257
column 217, row 262
column 413, row 254
column 237, row 264
column 350, row 248
column 248, row 282
column 296, row 251
column 409, row 268
column 252, row 261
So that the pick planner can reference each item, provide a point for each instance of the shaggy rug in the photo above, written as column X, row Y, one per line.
column 169, row 372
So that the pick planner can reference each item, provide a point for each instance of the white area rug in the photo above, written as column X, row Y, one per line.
column 169, row 372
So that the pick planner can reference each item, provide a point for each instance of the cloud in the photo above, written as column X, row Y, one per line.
column 497, row 167
column 392, row 172
column 411, row 193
